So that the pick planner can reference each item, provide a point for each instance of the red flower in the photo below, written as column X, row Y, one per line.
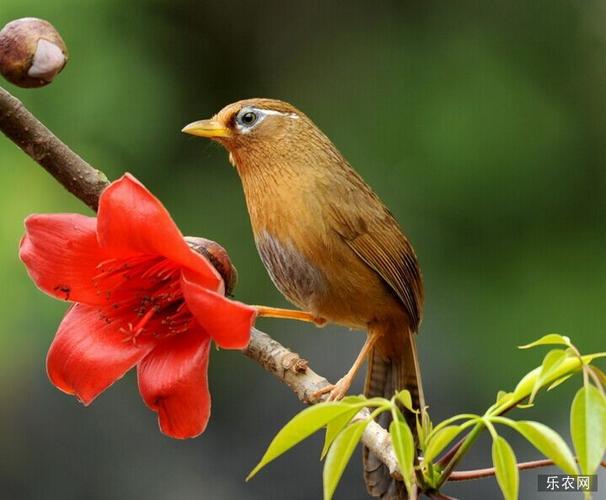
column 142, row 297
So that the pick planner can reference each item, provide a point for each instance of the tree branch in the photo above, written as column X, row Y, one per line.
column 466, row 475
column 440, row 496
column 86, row 183
column 38, row 142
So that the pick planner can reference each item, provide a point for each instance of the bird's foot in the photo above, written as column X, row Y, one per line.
column 336, row 391
column 276, row 312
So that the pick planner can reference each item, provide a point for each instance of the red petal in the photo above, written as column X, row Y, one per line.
column 173, row 382
column 89, row 354
column 131, row 220
column 228, row 322
column 61, row 254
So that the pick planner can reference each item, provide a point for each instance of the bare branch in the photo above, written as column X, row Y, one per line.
column 466, row 475
column 439, row 496
column 38, row 142
column 87, row 183
column 289, row 368
column 284, row 364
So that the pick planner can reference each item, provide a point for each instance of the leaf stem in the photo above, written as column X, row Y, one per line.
column 584, row 365
column 596, row 380
column 448, row 421
column 490, row 427
column 377, row 412
column 461, row 450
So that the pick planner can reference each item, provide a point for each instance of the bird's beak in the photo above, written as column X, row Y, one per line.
column 207, row 128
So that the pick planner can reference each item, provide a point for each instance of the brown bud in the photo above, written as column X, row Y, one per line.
column 218, row 257
column 31, row 52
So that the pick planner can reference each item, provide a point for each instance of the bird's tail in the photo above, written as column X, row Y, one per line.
column 386, row 375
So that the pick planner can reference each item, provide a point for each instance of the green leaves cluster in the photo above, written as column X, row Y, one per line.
column 345, row 422
column 587, row 415
column 588, row 409
column 342, row 434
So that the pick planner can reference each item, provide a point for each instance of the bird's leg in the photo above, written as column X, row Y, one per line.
column 276, row 312
column 337, row 391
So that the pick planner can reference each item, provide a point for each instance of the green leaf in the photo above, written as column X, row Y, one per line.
column 568, row 366
column 552, row 360
column 335, row 426
column 420, row 432
column 439, row 441
column 559, row 381
column 427, row 424
column 339, row 454
column 377, row 401
column 405, row 398
column 550, row 339
column 548, row 442
column 354, row 400
column 588, row 427
column 524, row 406
column 404, row 449
column 503, row 396
column 506, row 468
column 300, row 427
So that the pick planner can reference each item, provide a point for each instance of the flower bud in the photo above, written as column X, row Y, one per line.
column 218, row 257
column 31, row 52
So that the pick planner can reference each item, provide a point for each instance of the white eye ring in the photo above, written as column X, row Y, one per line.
column 247, row 118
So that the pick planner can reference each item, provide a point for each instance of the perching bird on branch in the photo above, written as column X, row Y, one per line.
column 329, row 244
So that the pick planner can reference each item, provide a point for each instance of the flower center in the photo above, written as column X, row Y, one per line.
column 144, row 292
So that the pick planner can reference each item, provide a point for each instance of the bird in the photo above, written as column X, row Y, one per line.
column 330, row 246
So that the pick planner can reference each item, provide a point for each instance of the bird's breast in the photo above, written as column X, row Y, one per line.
column 305, row 256
column 292, row 273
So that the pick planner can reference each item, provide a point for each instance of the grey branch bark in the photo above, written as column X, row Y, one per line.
column 86, row 183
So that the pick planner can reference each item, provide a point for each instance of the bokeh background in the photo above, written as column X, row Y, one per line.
column 480, row 124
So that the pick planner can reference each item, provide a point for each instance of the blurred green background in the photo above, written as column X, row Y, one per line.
column 480, row 124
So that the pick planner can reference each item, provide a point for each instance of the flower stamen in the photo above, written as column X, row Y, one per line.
column 145, row 319
column 149, row 288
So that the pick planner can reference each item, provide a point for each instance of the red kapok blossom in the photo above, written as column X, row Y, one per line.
column 142, row 297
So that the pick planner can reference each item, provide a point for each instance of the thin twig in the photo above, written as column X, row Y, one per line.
column 26, row 131
column 440, row 496
column 466, row 475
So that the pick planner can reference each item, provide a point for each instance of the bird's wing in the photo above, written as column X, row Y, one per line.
column 372, row 232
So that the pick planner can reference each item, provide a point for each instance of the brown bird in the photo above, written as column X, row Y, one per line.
column 329, row 244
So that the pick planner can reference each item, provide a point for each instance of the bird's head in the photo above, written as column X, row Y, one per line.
column 261, row 131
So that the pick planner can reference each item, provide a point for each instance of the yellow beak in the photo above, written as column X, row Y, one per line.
column 207, row 128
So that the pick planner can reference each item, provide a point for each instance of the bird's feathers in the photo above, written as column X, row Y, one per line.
column 289, row 270
column 374, row 235
column 384, row 377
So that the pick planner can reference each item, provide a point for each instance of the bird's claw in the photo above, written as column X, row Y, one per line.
column 335, row 392
column 319, row 322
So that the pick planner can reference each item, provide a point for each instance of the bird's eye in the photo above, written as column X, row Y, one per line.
column 248, row 118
